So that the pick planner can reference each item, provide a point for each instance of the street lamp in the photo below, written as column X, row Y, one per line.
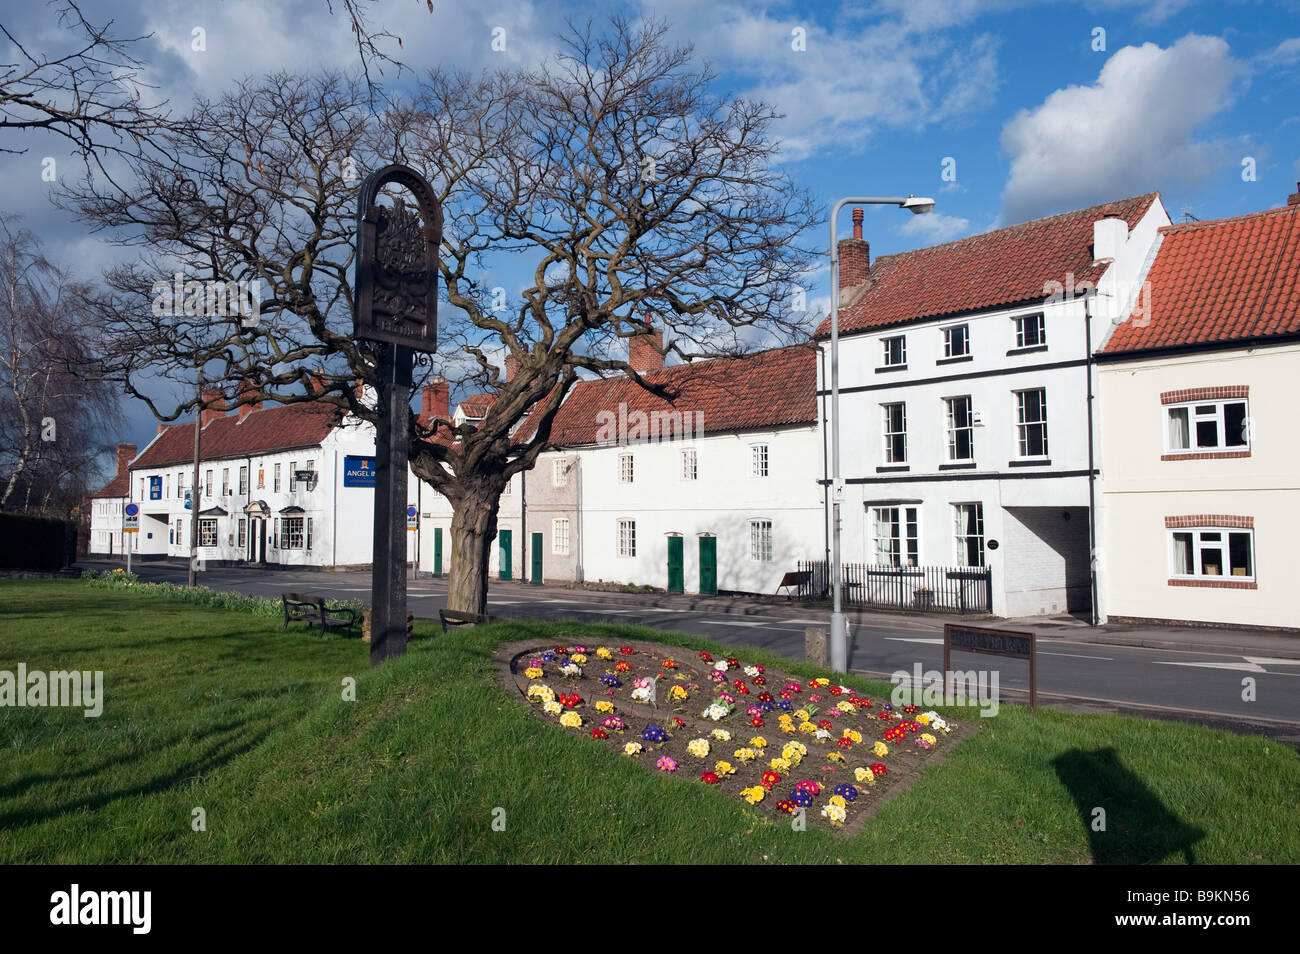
column 839, row 648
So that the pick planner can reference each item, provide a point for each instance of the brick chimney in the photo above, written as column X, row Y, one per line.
column 855, row 255
column 211, row 396
column 125, row 454
column 512, row 367
column 1294, row 197
column 643, row 352
column 435, row 400
column 246, row 409
column 316, row 382
column 161, row 428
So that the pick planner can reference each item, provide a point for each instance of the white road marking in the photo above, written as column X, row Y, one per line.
column 733, row 622
column 1043, row 652
column 916, row 639
column 1266, row 661
column 1235, row 666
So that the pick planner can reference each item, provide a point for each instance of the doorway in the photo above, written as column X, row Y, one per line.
column 505, row 565
column 708, row 566
column 676, row 563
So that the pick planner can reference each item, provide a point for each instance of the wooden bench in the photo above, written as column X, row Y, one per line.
column 454, row 618
column 315, row 611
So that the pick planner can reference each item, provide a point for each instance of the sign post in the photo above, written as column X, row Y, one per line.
column 130, row 524
column 396, row 306
column 1016, row 644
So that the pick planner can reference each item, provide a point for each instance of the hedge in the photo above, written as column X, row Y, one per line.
column 45, row 544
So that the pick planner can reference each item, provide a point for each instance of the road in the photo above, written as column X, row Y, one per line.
column 1194, row 686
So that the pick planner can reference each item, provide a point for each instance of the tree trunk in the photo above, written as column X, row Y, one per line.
column 473, row 528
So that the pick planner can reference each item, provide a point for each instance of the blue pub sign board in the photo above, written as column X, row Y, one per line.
column 155, row 488
column 358, row 471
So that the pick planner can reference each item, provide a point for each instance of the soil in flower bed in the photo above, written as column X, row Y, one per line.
column 727, row 695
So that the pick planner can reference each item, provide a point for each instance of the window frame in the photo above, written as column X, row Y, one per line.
column 951, row 430
column 762, row 543
column 208, row 530
column 903, row 546
column 627, row 468
column 625, row 530
column 1040, row 325
column 560, row 472
column 558, row 524
column 1023, row 426
column 961, row 538
column 1224, row 546
column 759, row 460
column 964, row 328
column 885, row 351
column 890, row 436
column 292, row 528
column 1219, row 417
column 691, row 455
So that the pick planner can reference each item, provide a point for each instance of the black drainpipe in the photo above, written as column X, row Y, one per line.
column 1092, row 469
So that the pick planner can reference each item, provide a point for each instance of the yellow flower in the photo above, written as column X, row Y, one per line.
column 780, row 765
column 845, row 707
column 853, row 735
column 723, row 768
column 604, row 653
column 698, row 747
column 758, row 742
column 834, row 814
column 753, row 795
column 532, row 672
column 745, row 755
column 839, row 800
column 927, row 737
column 579, row 658
column 864, row 775
column 677, row 692
column 571, row 720
column 632, row 748
column 722, row 735
column 604, row 705
column 802, row 715
column 881, row 749
column 807, row 728
column 923, row 719
column 553, row 708
column 835, row 757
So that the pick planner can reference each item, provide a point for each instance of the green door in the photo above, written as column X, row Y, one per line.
column 437, row 551
column 676, row 582
column 709, row 566
column 537, row 559
column 503, row 539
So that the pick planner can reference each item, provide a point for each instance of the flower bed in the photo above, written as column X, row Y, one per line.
column 778, row 742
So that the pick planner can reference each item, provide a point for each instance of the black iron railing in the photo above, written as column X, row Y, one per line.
column 932, row 589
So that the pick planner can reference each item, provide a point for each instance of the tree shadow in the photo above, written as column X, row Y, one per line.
column 1138, row 828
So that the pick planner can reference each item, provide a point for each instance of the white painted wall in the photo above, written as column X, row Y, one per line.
column 1140, row 489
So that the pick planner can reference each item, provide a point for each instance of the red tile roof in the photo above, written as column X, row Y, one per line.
column 763, row 390
column 1224, row 280
column 476, row 406
column 264, row 431
column 119, row 486
column 1004, row 267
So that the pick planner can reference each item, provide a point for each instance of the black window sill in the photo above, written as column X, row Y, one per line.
column 891, row 367
column 1045, row 462
column 964, row 465
column 893, row 469
column 1032, row 349
column 956, row 360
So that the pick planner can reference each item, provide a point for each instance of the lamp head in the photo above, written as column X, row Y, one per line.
column 918, row 204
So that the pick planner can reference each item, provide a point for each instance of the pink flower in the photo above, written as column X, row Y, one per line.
column 667, row 764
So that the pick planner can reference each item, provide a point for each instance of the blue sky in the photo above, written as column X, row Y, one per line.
column 1033, row 108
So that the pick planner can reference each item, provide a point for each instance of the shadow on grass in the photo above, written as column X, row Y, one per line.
column 1136, row 827
column 220, row 752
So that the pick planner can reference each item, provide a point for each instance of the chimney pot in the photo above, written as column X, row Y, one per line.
column 210, row 414
column 857, row 222
column 512, row 367
column 1294, row 197
column 854, row 255
column 125, row 453
column 245, row 390
column 435, row 400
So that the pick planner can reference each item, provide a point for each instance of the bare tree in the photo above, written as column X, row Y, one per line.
column 640, row 200
column 53, row 414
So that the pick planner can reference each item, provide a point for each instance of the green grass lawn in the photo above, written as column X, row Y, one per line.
column 220, row 710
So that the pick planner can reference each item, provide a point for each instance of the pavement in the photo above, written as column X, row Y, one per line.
column 1239, row 680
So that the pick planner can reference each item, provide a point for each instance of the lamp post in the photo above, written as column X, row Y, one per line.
column 839, row 648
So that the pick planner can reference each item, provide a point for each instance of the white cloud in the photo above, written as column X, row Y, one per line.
column 935, row 227
column 899, row 71
column 1284, row 54
column 1131, row 131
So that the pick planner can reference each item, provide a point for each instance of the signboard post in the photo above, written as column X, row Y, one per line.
column 396, row 306
column 130, row 524
column 1016, row 644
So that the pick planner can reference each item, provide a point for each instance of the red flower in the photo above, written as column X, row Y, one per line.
column 769, row 779
column 669, row 664
column 825, row 724
column 878, row 768
column 622, row 666
column 705, row 656
column 761, row 669
column 738, row 683
column 835, row 690
column 599, row 733
column 628, row 651
column 765, row 697
column 742, row 690
column 679, row 722
column 884, row 716
column 560, row 650
column 845, row 743
column 760, row 680
column 757, row 722
column 787, row 806
column 793, row 687
column 733, row 661
column 785, row 695
column 710, row 778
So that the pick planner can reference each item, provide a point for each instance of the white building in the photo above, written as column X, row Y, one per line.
column 106, row 506
column 716, row 490
column 289, row 486
column 964, row 389
column 1202, row 470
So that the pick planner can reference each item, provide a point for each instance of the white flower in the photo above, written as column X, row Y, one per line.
column 720, row 665
column 821, row 734
column 751, row 671
column 715, row 712
column 641, row 695
column 722, row 735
